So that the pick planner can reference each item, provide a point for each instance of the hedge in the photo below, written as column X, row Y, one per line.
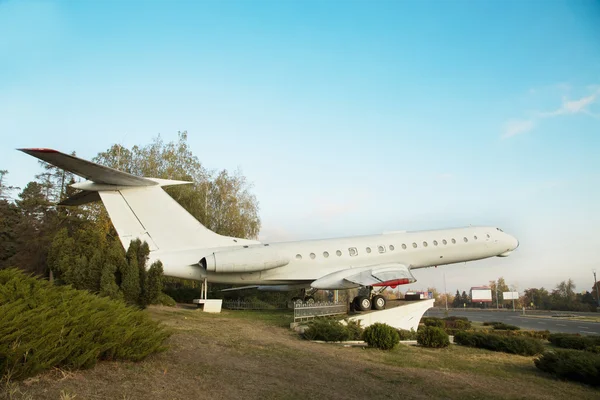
column 572, row 365
column 575, row 341
column 44, row 326
column 332, row 330
column 524, row 346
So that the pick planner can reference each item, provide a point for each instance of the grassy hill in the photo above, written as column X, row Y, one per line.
column 252, row 355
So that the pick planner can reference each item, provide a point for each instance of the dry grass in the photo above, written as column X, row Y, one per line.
column 252, row 355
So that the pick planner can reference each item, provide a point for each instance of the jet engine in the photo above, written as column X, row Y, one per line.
column 251, row 259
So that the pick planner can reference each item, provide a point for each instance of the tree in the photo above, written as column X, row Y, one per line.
column 10, row 219
column 502, row 287
column 457, row 303
column 464, row 299
column 220, row 201
column 5, row 190
column 154, row 284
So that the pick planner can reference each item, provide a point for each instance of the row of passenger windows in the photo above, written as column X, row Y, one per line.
column 354, row 252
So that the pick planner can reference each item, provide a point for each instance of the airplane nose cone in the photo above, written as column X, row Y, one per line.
column 516, row 243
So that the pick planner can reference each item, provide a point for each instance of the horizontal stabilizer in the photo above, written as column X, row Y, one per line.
column 94, row 172
column 80, row 198
column 239, row 288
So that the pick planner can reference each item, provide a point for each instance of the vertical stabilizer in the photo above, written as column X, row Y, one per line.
column 138, row 207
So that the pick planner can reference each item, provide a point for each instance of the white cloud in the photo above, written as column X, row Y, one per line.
column 515, row 127
column 568, row 107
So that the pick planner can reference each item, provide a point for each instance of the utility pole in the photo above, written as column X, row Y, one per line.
column 446, row 292
column 497, row 296
column 597, row 294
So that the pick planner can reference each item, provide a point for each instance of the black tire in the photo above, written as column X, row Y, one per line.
column 363, row 303
column 378, row 302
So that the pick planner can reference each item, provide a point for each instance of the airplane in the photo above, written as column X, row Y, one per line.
column 140, row 209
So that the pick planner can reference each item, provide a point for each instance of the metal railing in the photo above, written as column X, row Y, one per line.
column 306, row 311
column 253, row 305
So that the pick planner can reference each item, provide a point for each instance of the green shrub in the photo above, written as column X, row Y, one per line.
column 327, row 329
column 165, row 300
column 355, row 331
column 457, row 324
column 381, row 336
column 492, row 323
column 456, row 318
column 433, row 321
column 524, row 346
column 407, row 335
column 505, row 327
column 574, row 341
column 543, row 335
column 573, row 365
column 432, row 336
column 44, row 326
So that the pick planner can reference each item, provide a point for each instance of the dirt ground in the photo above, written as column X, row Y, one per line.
column 240, row 355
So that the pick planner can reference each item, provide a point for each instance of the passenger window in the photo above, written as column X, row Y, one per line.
column 445, row 241
column 403, row 246
column 424, row 244
column 465, row 239
column 475, row 237
column 381, row 248
column 391, row 247
column 339, row 253
column 435, row 242
column 368, row 249
column 352, row 251
column 453, row 241
column 298, row 257
column 312, row 255
column 325, row 254
column 488, row 235
column 414, row 245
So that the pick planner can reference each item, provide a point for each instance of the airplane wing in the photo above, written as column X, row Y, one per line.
column 390, row 274
column 387, row 275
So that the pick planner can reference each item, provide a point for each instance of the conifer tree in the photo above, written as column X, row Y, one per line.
column 154, row 285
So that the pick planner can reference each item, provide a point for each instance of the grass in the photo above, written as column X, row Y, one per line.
column 254, row 355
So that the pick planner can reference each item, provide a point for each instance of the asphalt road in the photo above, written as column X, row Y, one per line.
column 536, row 321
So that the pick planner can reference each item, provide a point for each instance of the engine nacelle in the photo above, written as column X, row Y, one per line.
column 251, row 259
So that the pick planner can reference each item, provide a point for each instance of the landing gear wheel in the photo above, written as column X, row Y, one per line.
column 309, row 300
column 296, row 300
column 378, row 302
column 363, row 303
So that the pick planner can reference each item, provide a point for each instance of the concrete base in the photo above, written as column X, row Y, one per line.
column 209, row 305
column 405, row 316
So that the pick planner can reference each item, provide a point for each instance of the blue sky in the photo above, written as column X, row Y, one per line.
column 349, row 117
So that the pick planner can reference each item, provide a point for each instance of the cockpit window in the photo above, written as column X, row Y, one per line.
column 500, row 229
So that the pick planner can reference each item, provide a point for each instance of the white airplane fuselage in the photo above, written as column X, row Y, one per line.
column 310, row 260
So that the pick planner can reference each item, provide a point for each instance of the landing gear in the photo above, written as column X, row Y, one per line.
column 304, row 297
column 369, row 300
column 362, row 303
column 378, row 302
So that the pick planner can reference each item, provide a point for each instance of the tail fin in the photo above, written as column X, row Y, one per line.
column 138, row 207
